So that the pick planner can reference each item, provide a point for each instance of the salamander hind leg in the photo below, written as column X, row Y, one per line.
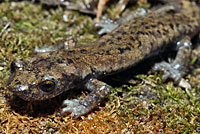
column 108, row 25
column 81, row 107
column 179, row 67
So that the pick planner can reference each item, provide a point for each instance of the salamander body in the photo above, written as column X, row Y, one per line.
column 49, row 74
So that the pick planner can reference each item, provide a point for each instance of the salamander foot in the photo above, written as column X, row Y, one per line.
column 170, row 71
column 75, row 107
column 179, row 67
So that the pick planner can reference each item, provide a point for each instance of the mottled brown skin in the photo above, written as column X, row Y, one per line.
column 47, row 75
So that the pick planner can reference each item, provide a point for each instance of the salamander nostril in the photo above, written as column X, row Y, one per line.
column 12, row 67
column 16, row 64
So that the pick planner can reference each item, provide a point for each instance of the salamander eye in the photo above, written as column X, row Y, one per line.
column 47, row 85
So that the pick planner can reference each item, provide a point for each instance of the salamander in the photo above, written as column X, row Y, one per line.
column 46, row 75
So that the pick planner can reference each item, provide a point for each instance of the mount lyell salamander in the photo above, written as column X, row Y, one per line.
column 49, row 74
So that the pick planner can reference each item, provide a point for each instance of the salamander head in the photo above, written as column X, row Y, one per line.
column 39, row 79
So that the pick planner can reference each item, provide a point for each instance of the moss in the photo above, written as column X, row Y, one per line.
column 145, row 105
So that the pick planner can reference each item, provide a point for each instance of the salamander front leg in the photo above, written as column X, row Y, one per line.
column 69, row 43
column 81, row 107
column 179, row 67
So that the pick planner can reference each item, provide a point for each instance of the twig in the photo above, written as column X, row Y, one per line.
column 6, row 26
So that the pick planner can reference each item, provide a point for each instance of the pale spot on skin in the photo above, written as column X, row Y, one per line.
column 22, row 87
